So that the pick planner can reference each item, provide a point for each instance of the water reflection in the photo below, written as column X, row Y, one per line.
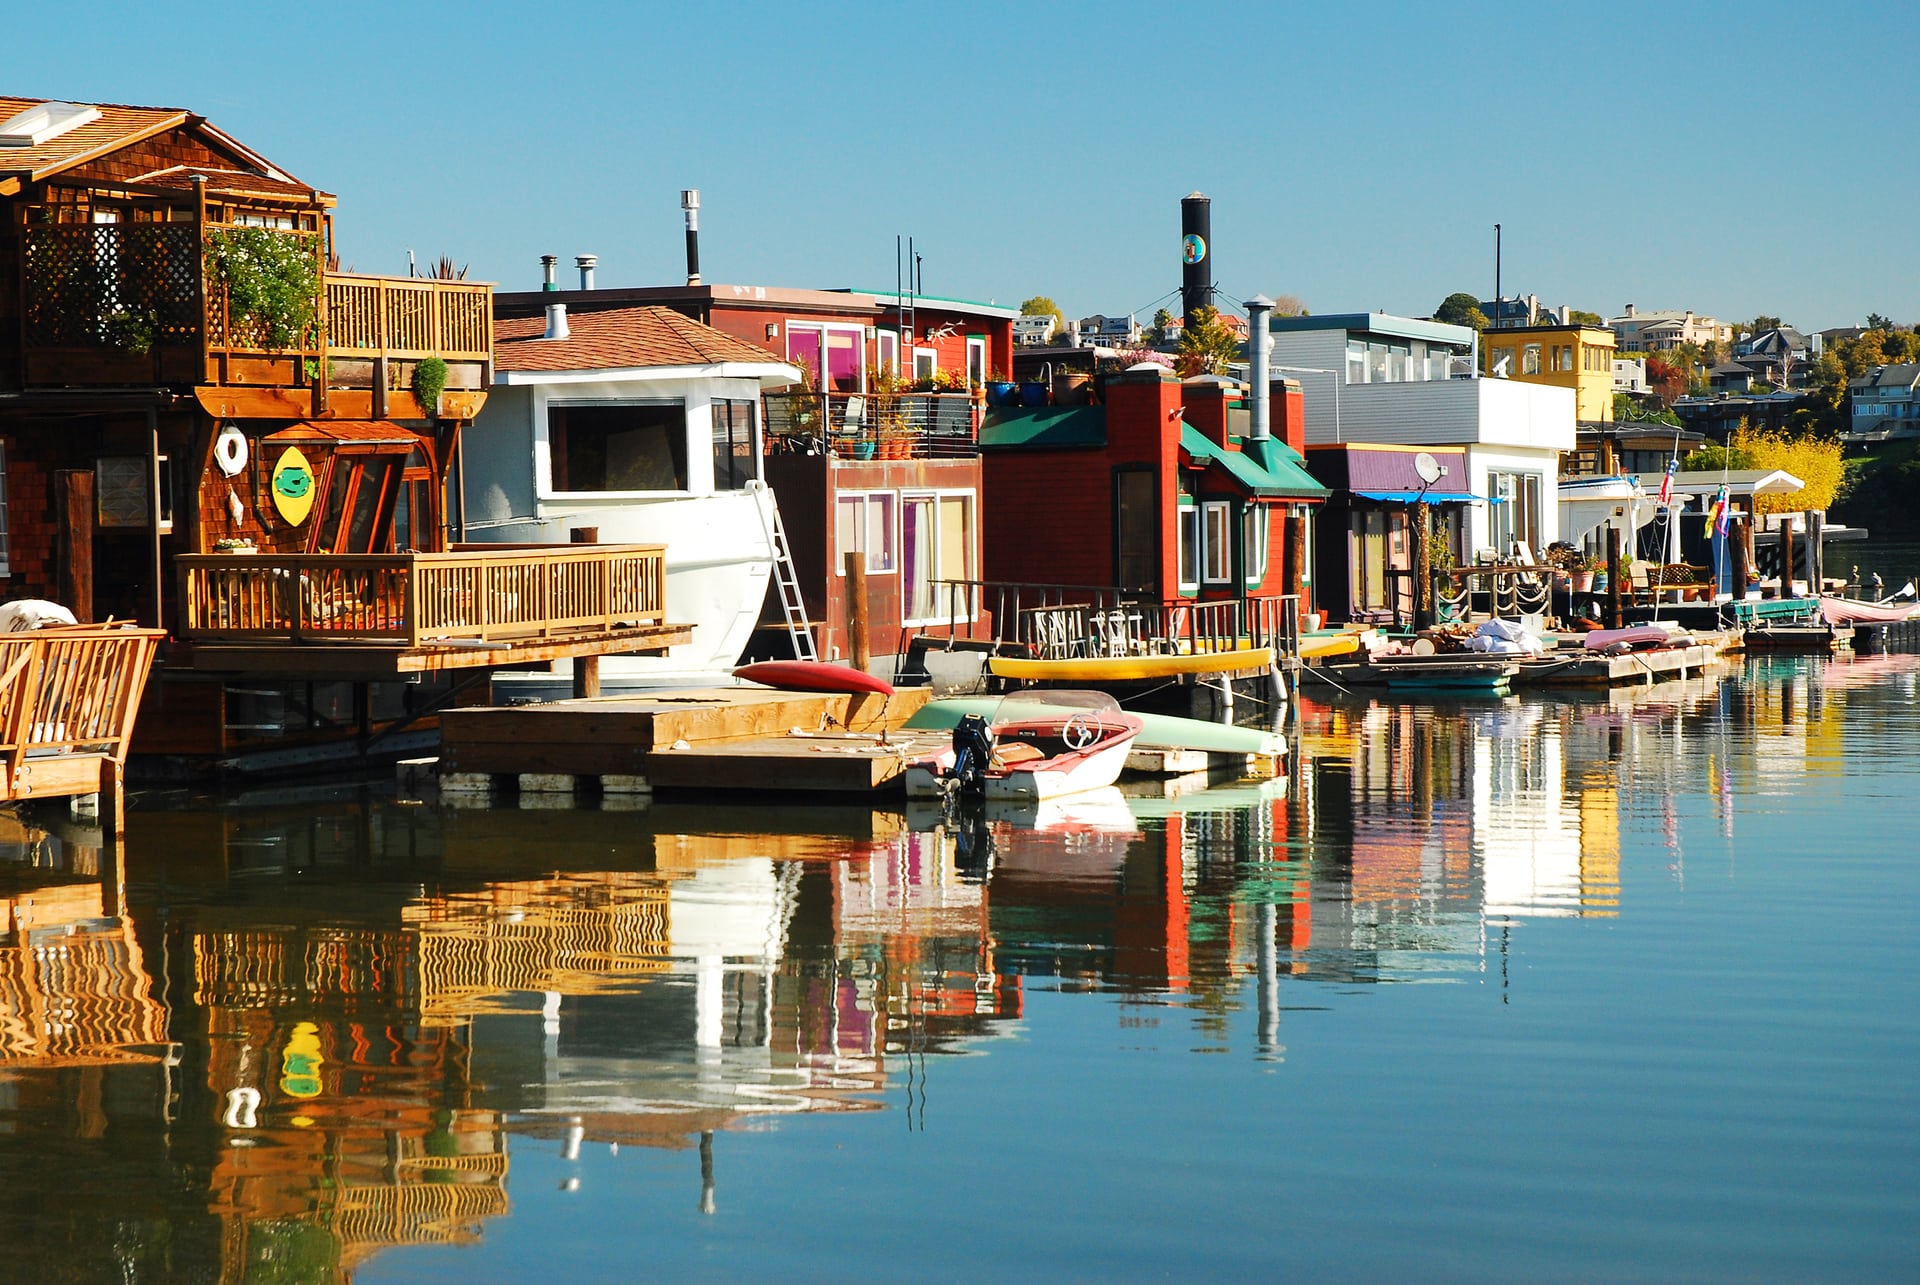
column 314, row 1026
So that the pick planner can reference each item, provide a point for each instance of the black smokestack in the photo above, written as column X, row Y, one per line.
column 1196, row 254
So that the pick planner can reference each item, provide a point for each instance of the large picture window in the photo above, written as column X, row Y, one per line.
column 936, row 552
column 836, row 355
column 618, row 448
column 736, row 459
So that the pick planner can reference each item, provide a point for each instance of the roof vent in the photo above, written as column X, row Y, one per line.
column 47, row 121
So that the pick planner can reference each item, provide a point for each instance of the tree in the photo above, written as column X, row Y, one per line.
column 1041, row 306
column 1206, row 345
column 1876, row 321
column 1289, row 305
column 1461, row 309
column 1581, row 317
column 1760, row 325
column 1156, row 334
column 1667, row 378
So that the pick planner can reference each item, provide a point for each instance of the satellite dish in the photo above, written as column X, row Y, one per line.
column 1428, row 468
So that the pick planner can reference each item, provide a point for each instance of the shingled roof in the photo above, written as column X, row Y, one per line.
column 618, row 339
column 120, row 125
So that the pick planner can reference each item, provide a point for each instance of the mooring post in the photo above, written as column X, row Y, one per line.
column 857, row 640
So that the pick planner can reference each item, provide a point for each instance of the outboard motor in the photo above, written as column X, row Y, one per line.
column 972, row 754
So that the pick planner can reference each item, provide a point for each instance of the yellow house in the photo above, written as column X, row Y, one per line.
column 1576, row 357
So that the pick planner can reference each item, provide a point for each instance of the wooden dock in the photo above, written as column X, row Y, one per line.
column 1563, row 667
column 752, row 739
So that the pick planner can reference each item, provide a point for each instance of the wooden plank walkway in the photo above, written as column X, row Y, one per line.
column 734, row 738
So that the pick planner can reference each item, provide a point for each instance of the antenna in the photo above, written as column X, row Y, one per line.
column 1429, row 469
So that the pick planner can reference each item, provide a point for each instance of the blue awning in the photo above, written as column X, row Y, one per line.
column 1414, row 497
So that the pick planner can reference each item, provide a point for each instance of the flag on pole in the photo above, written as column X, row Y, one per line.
column 1666, row 483
column 1722, row 508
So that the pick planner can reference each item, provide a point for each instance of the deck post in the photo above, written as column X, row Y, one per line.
column 1786, row 556
column 857, row 641
column 1613, row 577
column 586, row 677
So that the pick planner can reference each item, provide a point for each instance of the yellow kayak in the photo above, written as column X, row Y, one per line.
column 1097, row 669
column 1341, row 644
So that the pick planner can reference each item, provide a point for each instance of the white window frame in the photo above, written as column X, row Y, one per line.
column 1216, row 542
column 971, row 607
column 692, row 443
column 1256, row 535
column 1187, row 541
column 976, row 361
column 931, row 358
column 825, row 329
column 882, row 561
column 886, row 350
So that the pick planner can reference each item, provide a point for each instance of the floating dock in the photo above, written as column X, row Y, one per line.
column 1564, row 667
column 729, row 738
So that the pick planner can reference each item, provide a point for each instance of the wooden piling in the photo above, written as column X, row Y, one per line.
column 857, row 637
column 1614, row 577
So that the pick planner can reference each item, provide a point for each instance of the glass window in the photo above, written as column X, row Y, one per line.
column 618, row 448
column 1517, row 515
column 976, row 361
column 1356, row 362
column 1530, row 359
column 1257, row 539
column 1189, row 548
column 1376, row 363
column 863, row 523
column 1136, row 530
column 926, row 363
column 1217, row 544
column 887, row 351
column 835, row 354
column 936, row 551
column 735, row 459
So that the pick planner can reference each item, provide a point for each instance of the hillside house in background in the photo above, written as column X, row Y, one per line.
column 265, row 482
column 1886, row 403
column 1659, row 331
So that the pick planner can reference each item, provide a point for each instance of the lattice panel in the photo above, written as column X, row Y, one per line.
column 94, row 285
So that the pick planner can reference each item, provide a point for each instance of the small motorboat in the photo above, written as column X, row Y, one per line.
column 1035, row 745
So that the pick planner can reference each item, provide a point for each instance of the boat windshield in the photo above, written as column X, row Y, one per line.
column 1039, row 705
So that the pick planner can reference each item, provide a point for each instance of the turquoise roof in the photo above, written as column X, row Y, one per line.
column 1044, row 426
column 1268, row 468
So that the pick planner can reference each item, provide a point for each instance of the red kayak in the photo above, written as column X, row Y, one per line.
column 812, row 676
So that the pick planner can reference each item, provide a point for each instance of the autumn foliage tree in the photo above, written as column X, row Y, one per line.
column 1667, row 378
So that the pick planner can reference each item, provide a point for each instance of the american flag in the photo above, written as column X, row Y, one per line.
column 1666, row 483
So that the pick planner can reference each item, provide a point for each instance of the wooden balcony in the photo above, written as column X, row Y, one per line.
column 67, row 701
column 132, row 304
column 382, row 614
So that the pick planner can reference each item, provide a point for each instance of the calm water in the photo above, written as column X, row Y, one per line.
column 1618, row 986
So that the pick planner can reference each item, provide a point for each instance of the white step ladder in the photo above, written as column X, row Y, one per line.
column 792, row 606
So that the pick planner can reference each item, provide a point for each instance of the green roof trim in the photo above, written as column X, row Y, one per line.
column 1269, row 468
column 1043, row 427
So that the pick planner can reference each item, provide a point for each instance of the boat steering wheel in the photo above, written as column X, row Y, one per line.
column 1079, row 732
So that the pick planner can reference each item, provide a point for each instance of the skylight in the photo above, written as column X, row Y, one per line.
column 46, row 121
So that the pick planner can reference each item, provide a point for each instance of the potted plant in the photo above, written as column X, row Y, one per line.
column 1580, row 575
column 1001, row 390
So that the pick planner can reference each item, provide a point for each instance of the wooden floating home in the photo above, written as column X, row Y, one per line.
column 278, row 486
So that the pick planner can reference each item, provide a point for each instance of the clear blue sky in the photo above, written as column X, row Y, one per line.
column 1730, row 158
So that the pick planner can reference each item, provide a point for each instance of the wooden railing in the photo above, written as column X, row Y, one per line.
column 478, row 593
column 408, row 318
column 120, row 302
column 67, row 691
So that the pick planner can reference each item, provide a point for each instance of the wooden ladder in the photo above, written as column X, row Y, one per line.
column 792, row 607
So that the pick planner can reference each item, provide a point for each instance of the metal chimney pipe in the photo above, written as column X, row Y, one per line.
column 586, row 263
column 556, row 322
column 690, row 202
column 547, row 262
column 1259, row 427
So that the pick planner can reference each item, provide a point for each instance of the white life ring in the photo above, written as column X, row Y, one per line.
column 230, row 450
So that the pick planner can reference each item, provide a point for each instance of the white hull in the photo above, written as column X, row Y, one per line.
column 719, row 560
column 925, row 779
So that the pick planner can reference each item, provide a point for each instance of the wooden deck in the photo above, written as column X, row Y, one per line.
column 745, row 738
column 374, row 616
column 67, row 702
